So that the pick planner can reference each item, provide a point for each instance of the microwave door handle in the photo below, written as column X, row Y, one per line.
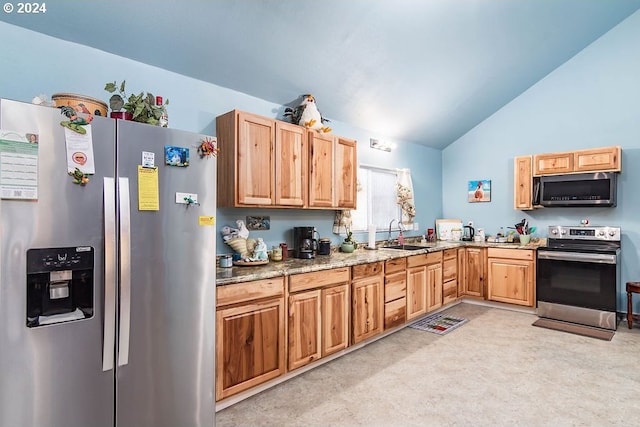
column 578, row 257
column 125, row 271
column 109, row 332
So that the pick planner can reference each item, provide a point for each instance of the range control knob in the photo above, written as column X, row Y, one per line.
column 601, row 233
column 554, row 231
column 563, row 232
column 612, row 233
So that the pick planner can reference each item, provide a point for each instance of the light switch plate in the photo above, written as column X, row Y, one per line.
column 180, row 198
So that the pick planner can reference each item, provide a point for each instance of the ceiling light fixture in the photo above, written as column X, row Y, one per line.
column 381, row 145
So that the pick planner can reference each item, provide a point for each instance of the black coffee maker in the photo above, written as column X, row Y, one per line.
column 304, row 244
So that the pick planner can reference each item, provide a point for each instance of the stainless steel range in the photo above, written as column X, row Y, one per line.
column 578, row 275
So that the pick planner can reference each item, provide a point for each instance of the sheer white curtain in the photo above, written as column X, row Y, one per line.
column 404, row 194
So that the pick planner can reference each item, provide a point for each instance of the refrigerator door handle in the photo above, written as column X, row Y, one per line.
column 109, row 333
column 125, row 271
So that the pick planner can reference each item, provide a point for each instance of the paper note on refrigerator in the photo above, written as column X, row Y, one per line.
column 80, row 150
column 18, row 165
column 148, row 191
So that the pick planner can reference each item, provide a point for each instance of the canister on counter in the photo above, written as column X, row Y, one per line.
column 226, row 261
column 285, row 250
column 276, row 253
column 324, row 246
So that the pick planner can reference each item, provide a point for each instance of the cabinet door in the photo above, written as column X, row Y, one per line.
column 249, row 346
column 321, row 161
column 597, row 159
column 367, row 308
column 510, row 281
column 552, row 163
column 304, row 328
column 474, row 269
column 434, row 286
column 522, row 183
column 291, row 165
column 255, row 169
column 462, row 270
column 345, row 173
column 416, row 291
column 335, row 318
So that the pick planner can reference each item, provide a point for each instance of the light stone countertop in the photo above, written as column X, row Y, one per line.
column 228, row 276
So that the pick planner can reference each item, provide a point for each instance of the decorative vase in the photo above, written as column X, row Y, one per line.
column 123, row 115
column 347, row 247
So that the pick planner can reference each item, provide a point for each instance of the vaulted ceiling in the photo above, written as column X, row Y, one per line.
column 423, row 71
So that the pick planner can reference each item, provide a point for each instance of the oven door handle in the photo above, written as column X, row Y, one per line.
column 578, row 257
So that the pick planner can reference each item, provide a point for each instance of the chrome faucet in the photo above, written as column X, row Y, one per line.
column 389, row 241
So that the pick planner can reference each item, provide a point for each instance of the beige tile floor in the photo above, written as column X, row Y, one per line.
column 496, row 370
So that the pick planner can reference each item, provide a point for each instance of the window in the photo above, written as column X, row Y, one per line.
column 377, row 200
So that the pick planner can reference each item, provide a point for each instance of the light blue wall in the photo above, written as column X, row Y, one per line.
column 33, row 63
column 593, row 100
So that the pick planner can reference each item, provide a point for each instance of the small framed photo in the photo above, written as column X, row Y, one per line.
column 479, row 191
column 176, row 156
column 258, row 222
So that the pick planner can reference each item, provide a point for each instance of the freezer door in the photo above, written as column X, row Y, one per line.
column 165, row 372
column 53, row 375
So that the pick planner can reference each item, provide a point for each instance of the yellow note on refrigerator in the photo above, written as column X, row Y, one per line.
column 148, row 190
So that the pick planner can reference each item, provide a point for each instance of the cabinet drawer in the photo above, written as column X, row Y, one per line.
column 524, row 254
column 449, row 291
column 395, row 313
column 395, row 286
column 366, row 270
column 424, row 259
column 248, row 291
column 395, row 265
column 450, row 253
column 450, row 269
column 318, row 279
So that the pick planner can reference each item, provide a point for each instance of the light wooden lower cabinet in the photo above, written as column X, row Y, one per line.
column 335, row 318
column 367, row 309
column 424, row 284
column 449, row 276
column 319, row 319
column 474, row 283
column 305, row 328
column 511, row 276
column 249, row 335
column 395, row 292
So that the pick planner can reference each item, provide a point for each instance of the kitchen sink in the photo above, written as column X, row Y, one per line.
column 405, row 247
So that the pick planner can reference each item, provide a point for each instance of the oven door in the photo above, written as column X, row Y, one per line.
column 577, row 279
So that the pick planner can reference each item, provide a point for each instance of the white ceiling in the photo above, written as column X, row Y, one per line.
column 425, row 71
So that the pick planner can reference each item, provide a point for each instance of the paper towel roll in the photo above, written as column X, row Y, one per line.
column 372, row 235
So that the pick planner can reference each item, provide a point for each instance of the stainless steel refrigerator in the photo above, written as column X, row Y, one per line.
column 107, row 311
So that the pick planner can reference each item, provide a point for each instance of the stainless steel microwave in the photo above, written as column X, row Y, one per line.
column 577, row 190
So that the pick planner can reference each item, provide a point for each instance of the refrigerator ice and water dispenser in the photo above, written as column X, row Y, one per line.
column 59, row 285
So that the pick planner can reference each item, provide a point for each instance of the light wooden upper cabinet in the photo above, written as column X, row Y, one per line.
column 345, row 172
column 270, row 163
column 332, row 171
column 606, row 159
column 291, row 165
column 522, row 183
column 598, row 159
column 262, row 162
column 321, row 173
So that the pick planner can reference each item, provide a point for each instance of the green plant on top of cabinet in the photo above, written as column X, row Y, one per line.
column 262, row 162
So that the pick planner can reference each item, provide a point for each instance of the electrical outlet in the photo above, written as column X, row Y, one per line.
column 416, row 226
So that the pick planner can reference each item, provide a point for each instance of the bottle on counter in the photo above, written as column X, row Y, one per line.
column 164, row 117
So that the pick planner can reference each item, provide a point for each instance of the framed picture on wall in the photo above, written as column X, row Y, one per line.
column 479, row 191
